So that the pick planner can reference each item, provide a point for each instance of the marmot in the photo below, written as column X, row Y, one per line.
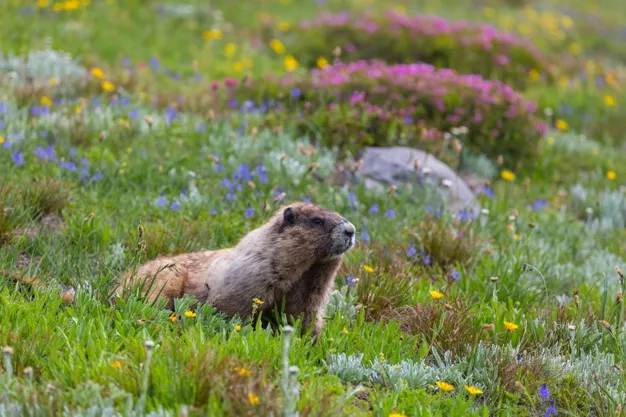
column 295, row 255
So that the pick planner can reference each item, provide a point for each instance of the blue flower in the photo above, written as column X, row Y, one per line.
column 488, row 192
column 538, row 205
column 351, row 280
column 408, row 120
column 175, row 206
column 411, row 251
column 18, row 158
column 154, row 63
column 35, row 111
column 68, row 165
column 262, row 173
column 249, row 212
column 374, row 209
column 133, row 114
column 544, row 391
column 295, row 93
column 97, row 177
column 455, row 275
column 161, row 201
column 551, row 411
column 391, row 214
column 366, row 237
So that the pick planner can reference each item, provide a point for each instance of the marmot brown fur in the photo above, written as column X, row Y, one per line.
column 295, row 255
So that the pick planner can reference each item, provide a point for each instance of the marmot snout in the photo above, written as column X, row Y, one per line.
column 295, row 256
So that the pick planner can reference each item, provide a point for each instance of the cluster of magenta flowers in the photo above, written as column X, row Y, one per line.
column 394, row 37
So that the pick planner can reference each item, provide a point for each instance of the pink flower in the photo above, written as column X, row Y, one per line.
column 502, row 60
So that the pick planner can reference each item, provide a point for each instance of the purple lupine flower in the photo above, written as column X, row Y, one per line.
column 538, row 205
column 366, row 237
column 261, row 173
column 544, row 391
column 487, row 191
column 69, row 165
column 391, row 214
column 411, row 251
column 175, row 206
column 551, row 411
column 18, row 158
column 352, row 280
column 133, row 114
column 295, row 93
column 161, row 201
column 455, row 275
column 374, row 209
column 97, row 177
column 249, row 212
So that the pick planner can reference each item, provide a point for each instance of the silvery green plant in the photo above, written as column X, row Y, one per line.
column 342, row 302
column 290, row 385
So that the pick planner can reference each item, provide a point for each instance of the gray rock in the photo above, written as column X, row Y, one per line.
column 396, row 165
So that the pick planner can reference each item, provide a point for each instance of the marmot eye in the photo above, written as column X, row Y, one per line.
column 317, row 221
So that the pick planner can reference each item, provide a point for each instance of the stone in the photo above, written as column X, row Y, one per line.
column 381, row 167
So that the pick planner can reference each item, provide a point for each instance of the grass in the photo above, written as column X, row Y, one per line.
column 526, row 294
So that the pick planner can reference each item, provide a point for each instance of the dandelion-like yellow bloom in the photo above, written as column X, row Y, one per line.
column 190, row 314
column 609, row 101
column 567, row 22
column 97, row 72
column 517, row 237
column 53, row 81
column 42, row 3
column 238, row 66
column 533, row 74
column 46, row 101
column 277, row 46
column 1, row 140
column 284, row 26
column 230, row 49
column 551, row 140
column 213, row 34
column 322, row 62
column 473, row 390
column 435, row 294
column 344, row 331
column 173, row 317
column 368, row 268
column 257, row 301
column 510, row 326
column 253, row 399
column 116, row 364
column 444, row 386
column 242, row 371
column 237, row 328
column 291, row 63
column 611, row 175
column 107, row 86
column 397, row 415
column 507, row 175
column 562, row 125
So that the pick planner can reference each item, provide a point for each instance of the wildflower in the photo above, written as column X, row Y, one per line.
column 1, row 140
column 42, row 3
column 116, row 364
column 544, row 392
column 562, row 125
column 352, row 280
column 249, row 212
column 489, row 12
column 238, row 66
column 277, row 46
column 97, row 72
column 444, row 386
column 107, row 86
column 321, row 62
column 284, row 26
column 230, row 49
column 517, row 237
column 291, row 64
column 242, row 371
column 510, row 326
column 257, row 301
column 507, row 175
column 435, row 294
column 45, row 101
column 473, row 390
column 551, row 410
column 18, row 158
column 237, row 328
column 213, row 34
column 344, row 331
column 533, row 74
column 391, row 214
column 609, row 101
column 374, row 209
column 611, row 175
column 253, row 399
column 411, row 251
column 368, row 268
column 190, row 314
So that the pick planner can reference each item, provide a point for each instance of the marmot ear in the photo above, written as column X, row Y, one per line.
column 289, row 216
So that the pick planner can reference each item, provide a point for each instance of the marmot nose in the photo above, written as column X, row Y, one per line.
column 349, row 229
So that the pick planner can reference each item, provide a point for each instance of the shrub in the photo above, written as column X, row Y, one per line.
column 370, row 103
column 397, row 38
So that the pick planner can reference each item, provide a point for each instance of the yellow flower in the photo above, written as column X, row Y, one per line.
column 173, row 317
column 212, row 34
column 611, row 175
column 107, row 86
column 237, row 328
column 116, row 364
column 97, row 72
column 277, row 46
column 533, row 74
column 561, row 124
column 344, row 331
column 257, row 301
column 46, row 101
column 284, row 26
column 322, row 62
column 238, row 66
column 77, row 109
column 473, row 390
column 242, row 371
column 609, row 101
column 610, row 78
column 190, row 314
column 291, row 64
column 253, row 399
column 230, row 49
column 397, row 415
column 1, row 140
column 489, row 12
column 42, row 3
column 517, row 237
column 53, row 81
column 550, row 140
column 435, row 294
column 368, row 268
column 444, row 386
column 507, row 175
column 510, row 326
column 567, row 22
column 575, row 49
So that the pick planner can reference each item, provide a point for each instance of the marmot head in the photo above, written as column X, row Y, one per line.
column 312, row 227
